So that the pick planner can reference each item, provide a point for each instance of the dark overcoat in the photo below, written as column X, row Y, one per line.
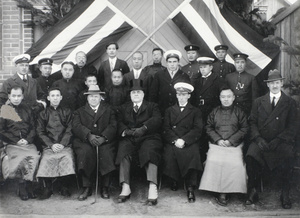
column 162, row 89
column 149, row 146
column 151, row 70
column 281, row 123
column 104, row 72
column 192, row 70
column 186, row 125
column 102, row 123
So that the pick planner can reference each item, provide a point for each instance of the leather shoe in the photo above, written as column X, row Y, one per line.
column 222, row 200
column 252, row 197
column 191, row 195
column 123, row 198
column 30, row 191
column 174, row 186
column 65, row 192
column 22, row 192
column 285, row 202
column 45, row 194
column 151, row 202
column 85, row 193
column 105, row 193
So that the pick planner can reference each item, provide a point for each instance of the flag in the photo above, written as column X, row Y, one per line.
column 203, row 23
column 88, row 27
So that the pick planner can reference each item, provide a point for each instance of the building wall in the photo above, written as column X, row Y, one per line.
column 15, row 37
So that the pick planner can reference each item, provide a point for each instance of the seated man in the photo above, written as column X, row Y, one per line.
column 224, row 170
column 20, row 157
column 54, row 131
column 138, row 124
column 182, row 131
column 273, row 128
column 94, row 125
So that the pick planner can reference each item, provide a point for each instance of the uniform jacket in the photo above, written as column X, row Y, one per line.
column 222, row 68
column 207, row 97
column 117, row 95
column 151, row 70
column 81, row 73
column 55, row 126
column 46, row 82
column 11, row 131
column 104, row 72
column 103, row 123
column 162, row 89
column 247, row 94
column 192, row 70
column 32, row 90
column 227, row 123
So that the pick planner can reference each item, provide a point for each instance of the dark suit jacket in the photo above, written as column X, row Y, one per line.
column 104, row 72
column 162, row 89
column 281, row 123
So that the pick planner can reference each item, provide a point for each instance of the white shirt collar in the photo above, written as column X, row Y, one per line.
column 21, row 76
column 113, row 60
column 277, row 96
column 183, row 105
column 207, row 75
column 138, row 104
column 95, row 108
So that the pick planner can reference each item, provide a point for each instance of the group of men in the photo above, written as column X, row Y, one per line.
column 170, row 117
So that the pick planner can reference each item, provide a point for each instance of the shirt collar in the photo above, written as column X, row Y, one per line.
column 21, row 76
column 95, row 108
column 138, row 104
column 207, row 75
column 183, row 104
column 277, row 96
column 113, row 59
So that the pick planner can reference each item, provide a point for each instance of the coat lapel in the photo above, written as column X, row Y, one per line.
column 208, row 83
column 101, row 110
column 182, row 114
column 89, row 110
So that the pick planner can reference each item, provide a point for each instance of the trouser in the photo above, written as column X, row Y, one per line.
column 105, row 180
column 191, row 178
column 124, row 176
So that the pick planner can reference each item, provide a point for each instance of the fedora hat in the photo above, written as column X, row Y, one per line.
column 94, row 89
column 274, row 75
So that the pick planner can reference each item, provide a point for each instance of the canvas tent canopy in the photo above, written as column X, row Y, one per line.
column 144, row 24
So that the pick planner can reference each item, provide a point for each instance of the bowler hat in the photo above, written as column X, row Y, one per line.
column 94, row 89
column 274, row 75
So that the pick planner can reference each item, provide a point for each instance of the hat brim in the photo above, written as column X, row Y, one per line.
column 94, row 92
column 271, row 80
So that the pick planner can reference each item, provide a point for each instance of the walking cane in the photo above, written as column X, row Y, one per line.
column 97, row 176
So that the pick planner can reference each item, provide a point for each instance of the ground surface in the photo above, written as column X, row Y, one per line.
column 170, row 204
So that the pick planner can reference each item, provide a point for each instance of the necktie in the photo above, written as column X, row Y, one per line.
column 24, row 78
column 111, row 66
column 172, row 74
column 135, row 108
column 273, row 103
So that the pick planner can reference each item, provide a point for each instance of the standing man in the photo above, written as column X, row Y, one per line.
column 34, row 97
column 81, row 69
column 157, row 54
column 139, row 122
column 94, row 125
column 106, row 67
column 162, row 89
column 221, row 67
column 182, row 130
column 192, row 68
column 273, row 127
column 243, row 84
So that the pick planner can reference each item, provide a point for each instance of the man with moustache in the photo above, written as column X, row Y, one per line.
column 192, row 68
column 273, row 128
column 107, row 66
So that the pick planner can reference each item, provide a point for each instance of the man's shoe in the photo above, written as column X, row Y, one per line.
column 125, row 193
column 45, row 194
column 30, row 191
column 64, row 191
column 85, row 193
column 222, row 200
column 252, row 197
column 105, row 193
column 152, row 194
column 123, row 198
column 285, row 201
column 151, row 202
column 174, row 186
column 191, row 195
column 22, row 192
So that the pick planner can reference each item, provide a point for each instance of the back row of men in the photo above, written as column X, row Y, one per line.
column 139, row 121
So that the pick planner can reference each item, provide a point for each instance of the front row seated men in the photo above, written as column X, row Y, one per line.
column 224, row 170
column 20, row 157
column 139, row 122
column 55, row 133
column 273, row 125
column 94, row 125
column 182, row 131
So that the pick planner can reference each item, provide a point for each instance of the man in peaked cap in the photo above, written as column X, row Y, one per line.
column 273, row 127
column 243, row 84
column 162, row 88
column 139, row 123
column 94, row 125
column 221, row 66
column 192, row 68
column 34, row 97
column 182, row 131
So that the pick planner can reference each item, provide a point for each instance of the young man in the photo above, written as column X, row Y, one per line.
column 55, row 133
column 34, row 97
column 69, row 87
column 20, row 157
column 106, row 67
column 192, row 68
column 94, row 125
column 273, row 127
column 221, row 67
column 224, row 170
column 90, row 79
column 138, row 125
column 243, row 84
column 157, row 55
column 181, row 131
column 162, row 88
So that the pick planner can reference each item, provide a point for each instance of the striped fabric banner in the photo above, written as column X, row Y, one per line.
column 89, row 26
column 203, row 23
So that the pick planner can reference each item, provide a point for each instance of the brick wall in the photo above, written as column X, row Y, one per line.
column 15, row 37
